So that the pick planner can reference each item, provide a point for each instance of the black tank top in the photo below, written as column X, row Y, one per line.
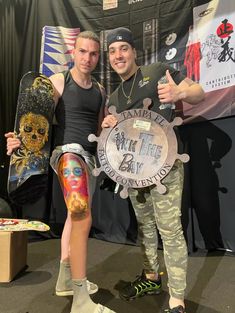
column 77, row 114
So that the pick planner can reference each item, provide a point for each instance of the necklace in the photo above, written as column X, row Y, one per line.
column 132, row 86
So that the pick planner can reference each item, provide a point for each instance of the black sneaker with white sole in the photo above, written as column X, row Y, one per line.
column 139, row 287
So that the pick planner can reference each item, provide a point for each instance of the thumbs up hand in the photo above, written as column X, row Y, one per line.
column 169, row 92
column 169, row 78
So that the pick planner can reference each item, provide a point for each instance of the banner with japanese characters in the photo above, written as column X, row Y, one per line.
column 214, row 26
column 210, row 59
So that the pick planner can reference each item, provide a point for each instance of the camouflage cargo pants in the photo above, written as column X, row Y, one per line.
column 164, row 212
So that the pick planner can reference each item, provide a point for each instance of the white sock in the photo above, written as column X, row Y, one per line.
column 64, row 281
column 82, row 302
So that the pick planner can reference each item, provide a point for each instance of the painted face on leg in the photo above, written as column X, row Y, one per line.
column 73, row 180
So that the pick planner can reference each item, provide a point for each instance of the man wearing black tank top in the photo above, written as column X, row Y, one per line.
column 161, row 211
column 79, row 109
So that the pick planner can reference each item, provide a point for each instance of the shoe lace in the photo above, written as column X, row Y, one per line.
column 135, row 283
column 178, row 309
column 139, row 279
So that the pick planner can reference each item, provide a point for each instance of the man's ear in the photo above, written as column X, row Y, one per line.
column 135, row 53
column 73, row 53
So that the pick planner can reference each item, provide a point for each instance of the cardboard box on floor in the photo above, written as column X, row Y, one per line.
column 13, row 254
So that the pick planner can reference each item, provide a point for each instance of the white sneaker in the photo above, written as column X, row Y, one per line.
column 91, row 287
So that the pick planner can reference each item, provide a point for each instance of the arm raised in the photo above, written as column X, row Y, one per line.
column 187, row 90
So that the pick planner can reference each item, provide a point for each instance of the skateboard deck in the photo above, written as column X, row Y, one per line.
column 29, row 163
column 7, row 224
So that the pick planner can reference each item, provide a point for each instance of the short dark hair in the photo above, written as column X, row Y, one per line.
column 88, row 34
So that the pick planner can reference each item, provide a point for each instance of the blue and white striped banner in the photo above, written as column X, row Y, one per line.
column 56, row 49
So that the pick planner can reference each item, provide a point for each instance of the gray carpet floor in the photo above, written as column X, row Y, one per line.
column 211, row 281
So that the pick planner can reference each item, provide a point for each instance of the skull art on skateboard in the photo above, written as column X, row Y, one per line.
column 34, row 114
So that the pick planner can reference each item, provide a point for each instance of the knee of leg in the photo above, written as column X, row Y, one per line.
column 83, row 222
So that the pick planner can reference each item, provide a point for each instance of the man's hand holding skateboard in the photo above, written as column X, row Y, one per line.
column 12, row 142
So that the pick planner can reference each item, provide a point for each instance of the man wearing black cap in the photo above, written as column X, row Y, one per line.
column 163, row 211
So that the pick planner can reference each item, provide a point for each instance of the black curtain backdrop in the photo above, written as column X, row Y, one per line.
column 209, row 198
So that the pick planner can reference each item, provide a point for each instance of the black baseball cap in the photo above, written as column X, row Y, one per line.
column 120, row 34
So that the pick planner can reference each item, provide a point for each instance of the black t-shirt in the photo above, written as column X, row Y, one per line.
column 77, row 114
column 145, row 86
